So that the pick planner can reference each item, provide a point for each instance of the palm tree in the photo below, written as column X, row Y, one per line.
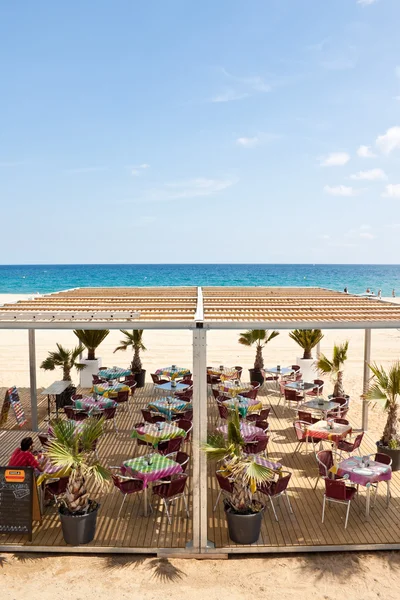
column 243, row 470
column 91, row 339
column 334, row 367
column 70, row 450
column 133, row 340
column 260, row 337
column 67, row 359
column 385, row 388
column 306, row 339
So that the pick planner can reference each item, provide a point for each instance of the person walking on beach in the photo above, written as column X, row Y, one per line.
column 379, row 294
column 393, row 293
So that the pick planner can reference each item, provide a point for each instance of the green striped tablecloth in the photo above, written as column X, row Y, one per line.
column 153, row 433
column 152, row 467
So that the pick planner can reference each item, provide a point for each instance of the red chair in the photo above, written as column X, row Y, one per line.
column 215, row 392
column 384, row 459
column 169, row 446
column 69, row 412
column 225, row 488
column 295, row 368
column 109, row 414
column 186, row 395
column 188, row 414
column 76, row 396
column 122, row 398
column 264, row 425
column 127, row 486
column 96, row 379
column 345, row 446
column 157, row 380
column 170, row 491
column 319, row 388
column 239, row 371
column 180, row 457
column 337, row 491
column 223, row 411
column 56, row 487
column 256, row 446
column 276, row 489
column 186, row 426
column 325, row 460
column 292, row 396
column 341, row 421
column 44, row 440
column 150, row 417
column 255, row 385
column 260, row 416
column 343, row 408
column 187, row 380
column 298, row 376
column 306, row 417
column 132, row 387
column 300, row 428
column 252, row 394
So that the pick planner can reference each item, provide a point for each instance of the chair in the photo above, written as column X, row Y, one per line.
column 188, row 414
column 109, row 414
column 170, row 491
column 264, row 425
column 343, row 408
column 44, row 440
column 96, row 379
column 76, row 396
column 260, row 416
column 292, row 396
column 150, row 417
column 325, row 460
column 169, row 446
column 223, row 411
column 251, row 394
column 295, row 368
column 256, row 446
column 157, row 380
column 298, row 376
column 186, row 395
column 319, row 387
column 337, row 491
column 306, row 417
column 56, row 487
column 239, row 371
column 300, row 428
column 180, row 457
column 341, row 421
column 255, row 385
column 276, row 489
column 345, row 446
column 127, row 486
column 69, row 412
column 384, row 459
column 215, row 392
column 186, row 426
column 187, row 380
column 122, row 398
column 225, row 488
column 132, row 387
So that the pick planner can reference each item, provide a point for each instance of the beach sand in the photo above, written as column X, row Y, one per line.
column 285, row 577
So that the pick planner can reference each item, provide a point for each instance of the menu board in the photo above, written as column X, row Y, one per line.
column 12, row 399
column 18, row 494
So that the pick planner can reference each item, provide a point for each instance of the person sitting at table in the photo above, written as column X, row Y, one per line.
column 24, row 456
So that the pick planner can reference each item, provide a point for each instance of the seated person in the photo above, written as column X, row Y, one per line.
column 24, row 457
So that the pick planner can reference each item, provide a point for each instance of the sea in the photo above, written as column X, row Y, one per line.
column 33, row 279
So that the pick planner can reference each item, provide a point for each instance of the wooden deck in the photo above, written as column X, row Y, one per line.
column 301, row 531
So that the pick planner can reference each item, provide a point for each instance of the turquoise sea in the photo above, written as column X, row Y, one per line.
column 30, row 279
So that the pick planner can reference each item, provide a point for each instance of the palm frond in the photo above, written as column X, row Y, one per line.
column 306, row 338
column 92, row 430
column 91, row 338
column 324, row 365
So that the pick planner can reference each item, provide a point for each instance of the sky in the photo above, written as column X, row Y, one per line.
column 200, row 132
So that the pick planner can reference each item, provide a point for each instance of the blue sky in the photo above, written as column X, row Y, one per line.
column 228, row 131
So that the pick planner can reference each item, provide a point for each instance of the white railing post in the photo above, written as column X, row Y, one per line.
column 32, row 375
column 366, row 376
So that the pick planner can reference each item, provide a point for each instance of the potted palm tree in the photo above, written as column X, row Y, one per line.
column 91, row 339
column 260, row 337
column 243, row 511
column 70, row 450
column 385, row 388
column 307, row 339
column 134, row 340
column 334, row 368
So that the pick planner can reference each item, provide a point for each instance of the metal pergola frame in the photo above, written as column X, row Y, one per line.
column 199, row 326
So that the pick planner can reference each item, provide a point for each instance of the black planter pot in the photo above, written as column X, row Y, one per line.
column 244, row 529
column 79, row 529
column 332, row 397
column 394, row 455
column 256, row 375
column 140, row 378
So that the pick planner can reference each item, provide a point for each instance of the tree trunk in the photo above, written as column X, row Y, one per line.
column 91, row 354
column 76, row 496
column 338, row 391
column 242, row 498
column 66, row 373
column 259, row 361
column 391, row 428
column 307, row 353
column 136, row 366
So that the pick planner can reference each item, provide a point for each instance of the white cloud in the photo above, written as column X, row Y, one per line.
column 86, row 169
column 248, row 142
column 324, row 236
column 392, row 191
column 335, row 159
column 371, row 175
column 389, row 141
column 341, row 190
column 366, row 2
column 365, row 152
column 186, row 189
column 366, row 235
column 137, row 169
column 229, row 96
column 364, row 227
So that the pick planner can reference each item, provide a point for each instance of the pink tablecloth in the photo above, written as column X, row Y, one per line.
column 363, row 474
column 249, row 432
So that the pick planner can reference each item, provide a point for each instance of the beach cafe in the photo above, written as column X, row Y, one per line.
column 164, row 496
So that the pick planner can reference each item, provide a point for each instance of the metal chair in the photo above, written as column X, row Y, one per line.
column 127, row 486
column 186, row 426
column 326, row 459
column 56, row 487
column 300, row 429
column 170, row 491
column 157, row 380
column 169, row 446
column 384, row 459
column 276, row 489
column 259, row 416
column 345, row 446
column 257, row 446
column 109, row 414
column 337, row 491
column 225, row 488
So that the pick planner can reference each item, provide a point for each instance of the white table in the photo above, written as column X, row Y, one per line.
column 168, row 388
column 55, row 389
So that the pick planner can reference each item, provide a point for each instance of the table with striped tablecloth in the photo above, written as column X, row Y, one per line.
column 249, row 432
column 225, row 373
column 151, row 468
column 244, row 405
column 89, row 403
column 169, row 406
column 114, row 373
column 231, row 388
column 110, row 391
column 176, row 372
column 154, row 433
column 329, row 430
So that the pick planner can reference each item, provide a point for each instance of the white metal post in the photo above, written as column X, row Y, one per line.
column 318, row 350
column 366, row 376
column 199, row 465
column 32, row 375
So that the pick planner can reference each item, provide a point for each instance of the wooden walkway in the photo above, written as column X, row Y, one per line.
column 301, row 531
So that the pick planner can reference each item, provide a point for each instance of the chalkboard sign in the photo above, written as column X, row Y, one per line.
column 18, row 494
column 12, row 399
